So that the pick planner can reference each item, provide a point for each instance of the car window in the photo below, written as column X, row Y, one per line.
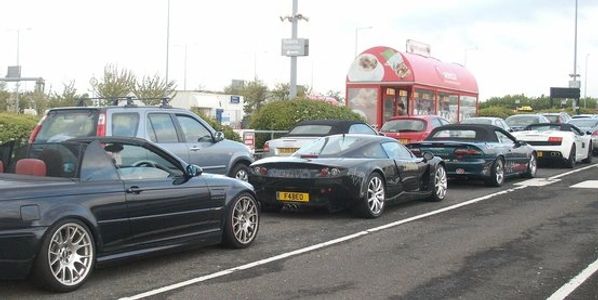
column 193, row 131
column 125, row 124
column 66, row 124
column 454, row 133
column 477, row 121
column 97, row 164
column 134, row 162
column 361, row 129
column 161, row 129
column 404, row 125
column 318, row 130
column 371, row 151
column 436, row 123
column 503, row 138
column 444, row 122
column 396, row 151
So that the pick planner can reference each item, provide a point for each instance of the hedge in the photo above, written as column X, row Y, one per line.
column 496, row 111
column 284, row 114
column 16, row 127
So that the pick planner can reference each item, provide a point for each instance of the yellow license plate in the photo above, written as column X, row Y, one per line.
column 540, row 154
column 404, row 141
column 292, row 196
column 286, row 150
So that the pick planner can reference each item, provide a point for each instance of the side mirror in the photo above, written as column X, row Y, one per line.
column 219, row 136
column 589, row 132
column 193, row 170
column 428, row 156
column 519, row 143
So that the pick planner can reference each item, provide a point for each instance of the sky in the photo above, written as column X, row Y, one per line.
column 510, row 46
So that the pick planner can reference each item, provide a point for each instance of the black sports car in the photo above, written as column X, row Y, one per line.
column 66, row 206
column 361, row 172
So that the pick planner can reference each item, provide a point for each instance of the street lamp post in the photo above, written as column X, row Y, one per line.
column 357, row 29
column 18, row 83
column 167, row 38
column 585, row 84
column 575, row 75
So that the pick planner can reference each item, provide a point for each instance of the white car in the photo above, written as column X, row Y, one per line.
column 590, row 126
column 564, row 142
column 306, row 132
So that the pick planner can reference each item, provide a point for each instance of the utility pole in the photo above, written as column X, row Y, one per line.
column 167, row 39
column 293, row 87
column 574, row 82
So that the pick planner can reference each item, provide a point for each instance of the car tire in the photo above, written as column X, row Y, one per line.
column 373, row 202
column 240, row 171
column 66, row 257
column 588, row 159
column 242, row 221
column 570, row 163
column 532, row 167
column 440, row 186
column 497, row 174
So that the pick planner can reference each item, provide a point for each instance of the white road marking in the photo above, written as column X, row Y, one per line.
column 313, row 247
column 570, row 286
column 333, row 242
column 588, row 184
column 572, row 171
column 537, row 182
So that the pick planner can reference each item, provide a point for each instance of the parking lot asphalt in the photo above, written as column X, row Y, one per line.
column 523, row 243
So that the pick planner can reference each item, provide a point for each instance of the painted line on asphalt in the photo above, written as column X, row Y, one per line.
column 570, row 286
column 314, row 247
column 572, row 171
column 336, row 241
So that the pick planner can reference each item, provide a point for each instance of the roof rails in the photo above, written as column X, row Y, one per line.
column 130, row 101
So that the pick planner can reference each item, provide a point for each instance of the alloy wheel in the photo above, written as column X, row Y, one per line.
column 500, row 172
column 440, row 183
column 245, row 220
column 533, row 166
column 70, row 254
column 242, row 174
column 375, row 195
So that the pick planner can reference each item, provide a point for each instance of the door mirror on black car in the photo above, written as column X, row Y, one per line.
column 193, row 170
column 218, row 136
column 519, row 143
column 428, row 156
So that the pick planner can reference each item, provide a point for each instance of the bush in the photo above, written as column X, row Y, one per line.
column 496, row 111
column 284, row 114
column 228, row 131
column 16, row 127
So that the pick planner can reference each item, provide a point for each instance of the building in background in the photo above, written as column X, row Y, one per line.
column 227, row 109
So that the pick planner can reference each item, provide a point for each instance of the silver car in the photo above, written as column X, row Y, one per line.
column 308, row 131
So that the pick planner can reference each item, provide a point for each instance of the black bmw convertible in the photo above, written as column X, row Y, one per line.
column 68, row 206
column 361, row 172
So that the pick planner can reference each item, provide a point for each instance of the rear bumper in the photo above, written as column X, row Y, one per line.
column 476, row 168
column 323, row 192
column 18, row 249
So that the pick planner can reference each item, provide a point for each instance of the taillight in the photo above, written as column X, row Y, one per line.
column 329, row 172
column 266, row 147
column 101, row 129
column 595, row 133
column 36, row 130
column 466, row 151
column 555, row 140
column 260, row 171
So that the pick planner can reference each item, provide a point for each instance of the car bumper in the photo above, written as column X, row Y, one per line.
column 18, row 249
column 476, row 168
column 323, row 192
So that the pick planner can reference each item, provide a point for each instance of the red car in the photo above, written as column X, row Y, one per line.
column 411, row 129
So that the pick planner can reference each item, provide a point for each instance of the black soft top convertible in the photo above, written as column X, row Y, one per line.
column 466, row 132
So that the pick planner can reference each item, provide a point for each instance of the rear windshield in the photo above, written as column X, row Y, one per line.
column 328, row 146
column 65, row 124
column 522, row 120
column 478, row 121
column 585, row 123
column 455, row 134
column 553, row 118
column 404, row 125
column 317, row 130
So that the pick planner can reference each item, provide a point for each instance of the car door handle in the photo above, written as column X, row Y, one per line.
column 134, row 190
column 194, row 148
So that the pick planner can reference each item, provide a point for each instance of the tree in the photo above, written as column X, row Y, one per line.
column 115, row 83
column 255, row 94
column 151, row 90
column 282, row 90
column 4, row 97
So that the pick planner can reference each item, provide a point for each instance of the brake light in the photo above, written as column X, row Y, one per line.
column 261, row 171
column 36, row 130
column 555, row 140
column 266, row 146
column 595, row 133
column 466, row 151
column 101, row 130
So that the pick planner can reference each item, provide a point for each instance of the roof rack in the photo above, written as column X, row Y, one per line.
column 130, row 101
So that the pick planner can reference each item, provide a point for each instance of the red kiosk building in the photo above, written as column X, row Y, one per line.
column 383, row 82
